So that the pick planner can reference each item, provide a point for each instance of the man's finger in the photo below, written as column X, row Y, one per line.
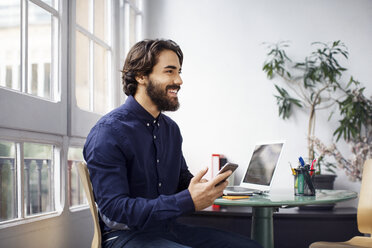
column 220, row 177
column 200, row 174
column 221, row 187
column 218, row 190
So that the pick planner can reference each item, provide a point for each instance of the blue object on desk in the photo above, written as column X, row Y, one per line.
column 302, row 162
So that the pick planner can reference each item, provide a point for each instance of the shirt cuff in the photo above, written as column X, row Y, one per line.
column 185, row 202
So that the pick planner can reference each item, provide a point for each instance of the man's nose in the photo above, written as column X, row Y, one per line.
column 178, row 80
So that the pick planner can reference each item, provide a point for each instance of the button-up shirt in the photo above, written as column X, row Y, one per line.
column 138, row 173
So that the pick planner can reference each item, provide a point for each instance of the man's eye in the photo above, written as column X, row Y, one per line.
column 170, row 71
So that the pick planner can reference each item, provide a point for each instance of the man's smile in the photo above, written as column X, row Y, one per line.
column 173, row 90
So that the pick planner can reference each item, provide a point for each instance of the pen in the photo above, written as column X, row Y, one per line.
column 302, row 162
column 293, row 170
column 235, row 197
column 312, row 167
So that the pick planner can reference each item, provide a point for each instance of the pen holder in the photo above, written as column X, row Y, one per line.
column 303, row 182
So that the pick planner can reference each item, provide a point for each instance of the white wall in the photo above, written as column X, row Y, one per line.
column 227, row 103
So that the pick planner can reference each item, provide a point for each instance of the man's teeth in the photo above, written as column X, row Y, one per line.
column 173, row 91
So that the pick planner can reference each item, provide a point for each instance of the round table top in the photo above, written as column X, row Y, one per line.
column 282, row 199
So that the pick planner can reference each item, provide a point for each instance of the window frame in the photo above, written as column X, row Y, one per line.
column 138, row 10
column 24, row 111
column 19, row 138
column 24, row 115
column 124, row 47
column 81, row 121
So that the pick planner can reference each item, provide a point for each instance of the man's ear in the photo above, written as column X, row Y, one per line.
column 141, row 79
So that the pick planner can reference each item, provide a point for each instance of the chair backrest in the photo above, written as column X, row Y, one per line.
column 365, row 200
column 84, row 176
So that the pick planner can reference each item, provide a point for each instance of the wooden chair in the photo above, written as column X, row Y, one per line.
column 84, row 176
column 364, row 215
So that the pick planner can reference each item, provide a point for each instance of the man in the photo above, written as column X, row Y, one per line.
column 140, row 179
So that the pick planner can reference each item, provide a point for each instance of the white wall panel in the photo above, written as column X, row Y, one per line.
column 227, row 103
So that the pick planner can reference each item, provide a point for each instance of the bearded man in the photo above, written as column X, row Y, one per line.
column 140, row 179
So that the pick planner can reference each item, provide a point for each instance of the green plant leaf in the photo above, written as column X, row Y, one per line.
column 285, row 101
column 318, row 76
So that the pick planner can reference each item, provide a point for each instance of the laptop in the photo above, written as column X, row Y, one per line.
column 260, row 172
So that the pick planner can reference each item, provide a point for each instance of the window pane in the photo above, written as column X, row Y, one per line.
column 100, row 80
column 34, row 79
column 75, row 188
column 8, row 202
column 82, row 71
column 100, row 19
column 76, row 154
column 47, row 88
column 10, row 44
column 132, row 27
column 40, row 51
column 38, row 178
column 82, row 13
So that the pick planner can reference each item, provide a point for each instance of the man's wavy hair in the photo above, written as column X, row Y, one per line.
column 141, row 58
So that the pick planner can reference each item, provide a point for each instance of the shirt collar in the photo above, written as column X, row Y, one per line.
column 134, row 107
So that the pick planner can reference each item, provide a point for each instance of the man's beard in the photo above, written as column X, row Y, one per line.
column 160, row 97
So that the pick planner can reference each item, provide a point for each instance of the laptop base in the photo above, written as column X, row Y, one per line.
column 237, row 190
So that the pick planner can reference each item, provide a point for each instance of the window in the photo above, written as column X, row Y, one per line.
column 38, row 178
column 34, row 119
column 60, row 63
column 31, row 65
column 27, row 172
column 97, row 38
column 133, row 22
column 8, row 186
column 76, row 194
column 10, row 52
column 93, row 50
column 31, row 43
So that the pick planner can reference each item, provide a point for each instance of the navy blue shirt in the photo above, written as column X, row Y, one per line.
column 138, row 173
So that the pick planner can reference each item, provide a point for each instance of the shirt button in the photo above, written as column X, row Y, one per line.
column 154, row 136
column 154, row 121
column 158, row 125
column 148, row 124
column 158, row 161
column 159, row 185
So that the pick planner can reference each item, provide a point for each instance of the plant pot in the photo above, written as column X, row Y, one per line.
column 323, row 181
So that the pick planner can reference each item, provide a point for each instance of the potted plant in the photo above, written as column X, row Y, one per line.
column 314, row 84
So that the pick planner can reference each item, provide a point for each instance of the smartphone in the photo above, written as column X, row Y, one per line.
column 226, row 167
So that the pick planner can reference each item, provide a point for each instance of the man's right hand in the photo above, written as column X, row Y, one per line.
column 204, row 193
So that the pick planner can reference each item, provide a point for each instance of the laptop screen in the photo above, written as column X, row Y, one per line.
column 262, row 165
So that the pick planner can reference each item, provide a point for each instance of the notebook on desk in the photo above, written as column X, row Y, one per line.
column 260, row 171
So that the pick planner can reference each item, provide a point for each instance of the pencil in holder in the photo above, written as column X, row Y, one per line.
column 303, row 182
